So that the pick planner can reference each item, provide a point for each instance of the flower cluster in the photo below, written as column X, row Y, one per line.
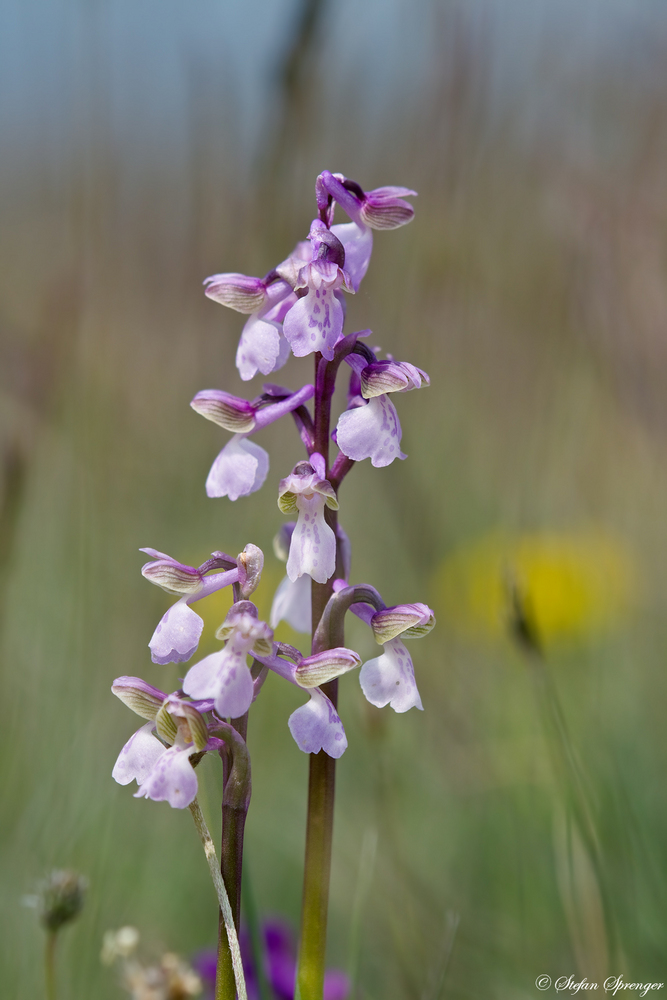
column 298, row 307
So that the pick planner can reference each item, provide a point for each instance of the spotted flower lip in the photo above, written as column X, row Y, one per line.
column 371, row 430
column 313, row 543
column 315, row 321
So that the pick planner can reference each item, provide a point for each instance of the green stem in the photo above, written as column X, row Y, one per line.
column 238, row 983
column 319, row 832
column 50, row 964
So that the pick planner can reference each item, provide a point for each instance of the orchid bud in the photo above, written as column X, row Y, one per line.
column 384, row 208
column 234, row 414
column 322, row 667
column 237, row 291
column 409, row 620
column 144, row 699
column 381, row 377
column 172, row 576
column 250, row 563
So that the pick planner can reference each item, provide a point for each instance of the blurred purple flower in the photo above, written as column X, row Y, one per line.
column 279, row 966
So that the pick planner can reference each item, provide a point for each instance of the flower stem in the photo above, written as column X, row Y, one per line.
column 235, row 801
column 319, row 831
column 237, row 986
column 50, row 964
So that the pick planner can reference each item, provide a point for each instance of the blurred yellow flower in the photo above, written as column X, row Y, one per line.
column 571, row 585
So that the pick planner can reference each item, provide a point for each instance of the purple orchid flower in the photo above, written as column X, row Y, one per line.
column 371, row 429
column 178, row 632
column 292, row 599
column 316, row 725
column 315, row 321
column 242, row 466
column 313, row 543
column 383, row 208
column 279, row 959
column 162, row 772
column 225, row 676
column 389, row 679
column 262, row 346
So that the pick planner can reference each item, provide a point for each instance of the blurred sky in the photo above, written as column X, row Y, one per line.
column 58, row 57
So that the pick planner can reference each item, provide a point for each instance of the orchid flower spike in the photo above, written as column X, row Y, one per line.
column 313, row 543
column 179, row 630
column 242, row 466
column 161, row 767
column 225, row 676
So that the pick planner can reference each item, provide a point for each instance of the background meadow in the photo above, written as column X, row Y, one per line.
column 146, row 146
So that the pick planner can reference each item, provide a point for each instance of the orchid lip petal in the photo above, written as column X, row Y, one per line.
column 172, row 778
column 389, row 679
column 317, row 726
column 371, row 431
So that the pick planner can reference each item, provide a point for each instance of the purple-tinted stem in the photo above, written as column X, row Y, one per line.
column 339, row 470
column 234, row 813
column 304, row 425
column 276, row 410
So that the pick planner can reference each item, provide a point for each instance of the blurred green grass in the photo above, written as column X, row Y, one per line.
column 531, row 288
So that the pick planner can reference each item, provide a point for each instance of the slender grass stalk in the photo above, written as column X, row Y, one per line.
column 366, row 869
column 570, row 777
column 238, row 985
column 50, row 964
